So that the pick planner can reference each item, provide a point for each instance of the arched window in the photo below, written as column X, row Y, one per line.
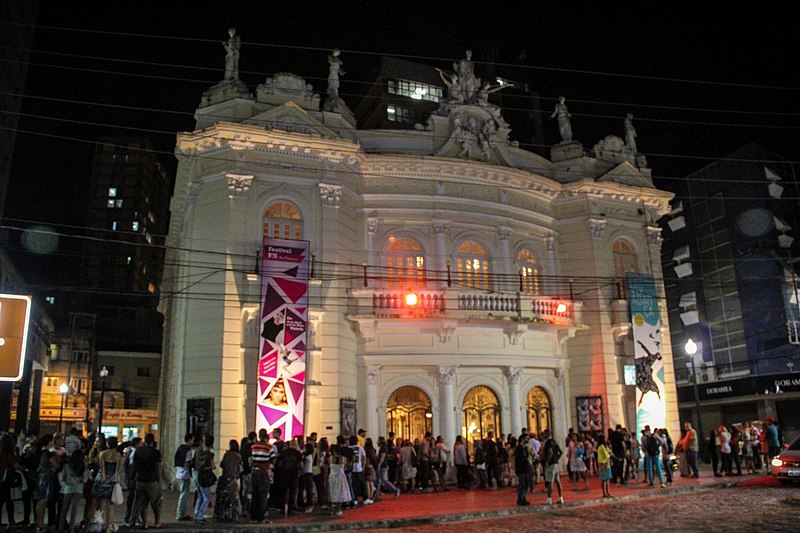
column 528, row 270
column 539, row 411
column 481, row 414
column 408, row 413
column 405, row 264
column 472, row 265
column 625, row 260
column 282, row 220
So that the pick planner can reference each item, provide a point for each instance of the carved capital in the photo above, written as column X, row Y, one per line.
column 367, row 329
column 654, row 236
column 559, row 374
column 514, row 373
column 238, row 184
column 550, row 243
column 504, row 232
column 446, row 375
column 372, row 224
column 191, row 192
column 597, row 226
column 373, row 374
column 441, row 226
column 331, row 194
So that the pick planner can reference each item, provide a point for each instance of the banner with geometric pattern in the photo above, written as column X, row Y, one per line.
column 284, row 329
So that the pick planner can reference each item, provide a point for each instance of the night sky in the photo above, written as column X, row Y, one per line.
column 700, row 82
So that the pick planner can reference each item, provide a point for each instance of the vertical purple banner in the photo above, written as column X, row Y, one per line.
column 282, row 350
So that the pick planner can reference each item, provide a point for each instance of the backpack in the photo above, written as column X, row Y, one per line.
column 652, row 445
column 180, row 456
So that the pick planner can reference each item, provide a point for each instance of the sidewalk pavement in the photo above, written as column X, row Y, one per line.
column 439, row 507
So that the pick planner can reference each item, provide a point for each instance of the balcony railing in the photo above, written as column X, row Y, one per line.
column 459, row 303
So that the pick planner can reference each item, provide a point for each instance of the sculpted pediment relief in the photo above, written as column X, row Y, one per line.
column 626, row 174
column 292, row 118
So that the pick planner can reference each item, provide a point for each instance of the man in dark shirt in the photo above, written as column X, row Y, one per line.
column 147, row 465
column 617, row 441
column 492, row 466
column 290, row 460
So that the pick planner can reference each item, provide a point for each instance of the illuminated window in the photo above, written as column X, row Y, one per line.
column 114, row 225
column 396, row 113
column 282, row 220
column 112, row 192
column 472, row 266
column 528, row 271
column 110, row 202
column 135, row 226
column 119, row 203
column 415, row 90
column 480, row 415
column 409, row 413
column 540, row 415
column 405, row 264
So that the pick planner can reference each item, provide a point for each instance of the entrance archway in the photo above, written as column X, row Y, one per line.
column 481, row 414
column 540, row 411
column 408, row 413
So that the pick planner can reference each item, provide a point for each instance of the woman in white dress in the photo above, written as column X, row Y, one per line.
column 338, row 488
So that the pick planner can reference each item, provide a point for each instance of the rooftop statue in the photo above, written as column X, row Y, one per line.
column 232, row 46
column 454, row 94
column 630, row 133
column 466, row 77
column 335, row 71
column 564, row 125
column 487, row 89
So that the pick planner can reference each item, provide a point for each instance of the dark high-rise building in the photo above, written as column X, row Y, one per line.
column 128, row 214
column 729, row 261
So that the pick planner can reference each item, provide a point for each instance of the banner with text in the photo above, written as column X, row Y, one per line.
column 651, row 405
column 282, row 350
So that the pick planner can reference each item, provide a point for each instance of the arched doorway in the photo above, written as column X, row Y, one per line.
column 408, row 413
column 540, row 411
column 481, row 414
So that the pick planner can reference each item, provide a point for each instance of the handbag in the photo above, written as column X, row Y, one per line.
column 206, row 477
column 116, row 494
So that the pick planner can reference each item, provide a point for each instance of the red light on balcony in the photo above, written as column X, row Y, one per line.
column 562, row 308
column 411, row 299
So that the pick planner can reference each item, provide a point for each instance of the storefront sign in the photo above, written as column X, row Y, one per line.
column 651, row 408
column 745, row 386
column 282, row 351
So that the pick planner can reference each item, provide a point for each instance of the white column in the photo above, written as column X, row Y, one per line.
column 373, row 426
column 504, row 234
column 550, row 286
column 514, row 403
column 448, row 428
column 440, row 229
column 372, row 227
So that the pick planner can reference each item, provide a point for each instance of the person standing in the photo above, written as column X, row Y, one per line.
column 666, row 452
column 652, row 444
column 617, row 441
column 604, row 465
column 551, row 454
column 725, row 451
column 290, row 461
column 71, row 479
column 461, row 460
column 204, row 467
column 183, row 474
column 359, row 465
column 773, row 439
column 228, row 508
column 383, row 471
column 147, row 464
column 691, row 447
column 262, row 454
column 492, row 466
column 111, row 467
column 521, row 465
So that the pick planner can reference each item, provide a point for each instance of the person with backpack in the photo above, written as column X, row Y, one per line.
column 651, row 444
column 551, row 454
column 183, row 475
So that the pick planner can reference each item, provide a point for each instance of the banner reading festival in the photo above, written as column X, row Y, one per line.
column 651, row 409
column 282, row 350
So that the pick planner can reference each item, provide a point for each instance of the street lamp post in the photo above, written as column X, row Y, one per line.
column 691, row 348
column 64, row 390
column 103, row 376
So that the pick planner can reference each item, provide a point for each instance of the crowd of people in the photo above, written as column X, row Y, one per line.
column 71, row 482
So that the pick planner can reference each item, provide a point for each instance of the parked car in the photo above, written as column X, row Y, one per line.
column 786, row 466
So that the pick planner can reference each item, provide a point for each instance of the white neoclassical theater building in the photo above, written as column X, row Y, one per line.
column 517, row 263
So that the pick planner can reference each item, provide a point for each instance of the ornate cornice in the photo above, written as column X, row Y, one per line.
column 238, row 185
